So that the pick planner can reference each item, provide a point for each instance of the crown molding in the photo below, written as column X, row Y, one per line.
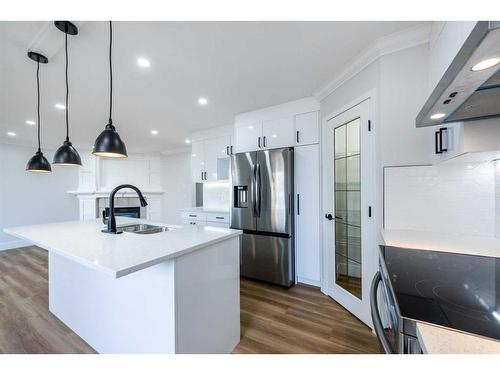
column 401, row 40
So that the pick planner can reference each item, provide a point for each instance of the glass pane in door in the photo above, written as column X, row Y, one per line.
column 347, row 191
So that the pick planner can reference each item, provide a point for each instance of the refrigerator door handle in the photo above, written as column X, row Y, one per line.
column 254, row 190
column 257, row 190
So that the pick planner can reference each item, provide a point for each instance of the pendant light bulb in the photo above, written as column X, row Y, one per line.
column 38, row 163
column 67, row 154
column 108, row 143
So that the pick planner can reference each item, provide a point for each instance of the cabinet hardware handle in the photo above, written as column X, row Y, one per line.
column 298, row 137
column 369, row 211
column 441, row 131
column 258, row 142
column 219, row 217
column 436, row 143
column 329, row 217
column 227, row 150
column 202, row 176
column 192, row 215
column 231, row 150
column 298, row 204
column 205, row 175
column 264, row 141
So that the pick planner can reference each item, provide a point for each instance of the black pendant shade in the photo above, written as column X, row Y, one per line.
column 66, row 154
column 108, row 143
column 38, row 163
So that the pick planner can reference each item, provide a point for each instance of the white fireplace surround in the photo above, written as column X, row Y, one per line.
column 97, row 177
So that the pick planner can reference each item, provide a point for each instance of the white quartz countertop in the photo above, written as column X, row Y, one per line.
column 437, row 340
column 205, row 210
column 452, row 243
column 119, row 254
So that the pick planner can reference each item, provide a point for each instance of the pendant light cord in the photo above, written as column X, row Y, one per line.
column 38, row 100
column 110, row 73
column 67, row 86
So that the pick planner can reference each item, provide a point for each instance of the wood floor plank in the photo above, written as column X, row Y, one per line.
column 274, row 320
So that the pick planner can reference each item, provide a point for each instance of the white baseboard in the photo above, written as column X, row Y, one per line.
column 7, row 245
column 304, row 280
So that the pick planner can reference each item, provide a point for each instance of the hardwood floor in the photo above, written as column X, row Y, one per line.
column 298, row 320
column 273, row 320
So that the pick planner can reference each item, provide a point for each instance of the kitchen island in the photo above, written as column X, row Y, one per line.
column 175, row 291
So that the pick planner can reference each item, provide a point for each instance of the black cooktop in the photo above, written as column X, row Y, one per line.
column 453, row 290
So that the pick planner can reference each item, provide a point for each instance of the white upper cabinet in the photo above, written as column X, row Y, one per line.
column 307, row 128
column 278, row 133
column 197, row 160
column 224, row 146
column 210, row 151
column 277, row 126
column 248, row 136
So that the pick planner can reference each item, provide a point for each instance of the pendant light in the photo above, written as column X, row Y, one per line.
column 108, row 143
column 38, row 163
column 67, row 154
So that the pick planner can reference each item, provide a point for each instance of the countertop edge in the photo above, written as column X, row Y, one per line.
column 126, row 271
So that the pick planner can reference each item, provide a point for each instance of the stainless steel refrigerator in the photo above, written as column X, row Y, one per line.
column 262, row 206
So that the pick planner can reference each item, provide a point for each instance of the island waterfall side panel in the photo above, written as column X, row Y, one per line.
column 207, row 296
column 132, row 314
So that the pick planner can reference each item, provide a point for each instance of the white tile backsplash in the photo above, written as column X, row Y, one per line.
column 447, row 198
column 216, row 195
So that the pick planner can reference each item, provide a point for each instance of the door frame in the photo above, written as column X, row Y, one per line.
column 372, row 197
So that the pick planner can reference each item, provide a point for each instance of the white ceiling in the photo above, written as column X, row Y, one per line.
column 238, row 66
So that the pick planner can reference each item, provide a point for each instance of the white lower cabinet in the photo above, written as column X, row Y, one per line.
column 307, row 214
column 213, row 219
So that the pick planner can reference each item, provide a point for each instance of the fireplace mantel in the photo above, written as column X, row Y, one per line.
column 98, row 176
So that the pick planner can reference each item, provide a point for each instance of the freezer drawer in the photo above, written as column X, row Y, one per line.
column 267, row 258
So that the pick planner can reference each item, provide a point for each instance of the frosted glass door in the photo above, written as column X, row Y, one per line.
column 347, row 197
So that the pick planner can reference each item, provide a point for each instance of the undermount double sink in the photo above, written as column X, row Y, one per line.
column 143, row 228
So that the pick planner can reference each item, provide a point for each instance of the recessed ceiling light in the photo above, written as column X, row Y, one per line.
column 188, row 141
column 250, row 127
column 154, row 132
column 436, row 116
column 202, row 101
column 485, row 64
column 30, row 122
column 60, row 106
column 143, row 62
column 11, row 134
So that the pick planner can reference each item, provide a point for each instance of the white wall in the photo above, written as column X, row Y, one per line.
column 175, row 177
column 33, row 198
column 399, row 81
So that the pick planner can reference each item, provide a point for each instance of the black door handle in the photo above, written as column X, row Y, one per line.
column 258, row 142
column 329, row 217
column 298, row 137
column 227, row 150
column 298, row 204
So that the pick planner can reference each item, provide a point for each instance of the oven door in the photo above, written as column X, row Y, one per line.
column 387, row 327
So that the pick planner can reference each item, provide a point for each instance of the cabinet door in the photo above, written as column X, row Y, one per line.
column 223, row 147
column 211, row 154
column 307, row 214
column 247, row 137
column 278, row 133
column 307, row 128
column 197, row 160
column 447, row 141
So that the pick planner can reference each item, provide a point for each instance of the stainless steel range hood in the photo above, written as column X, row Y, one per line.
column 463, row 94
